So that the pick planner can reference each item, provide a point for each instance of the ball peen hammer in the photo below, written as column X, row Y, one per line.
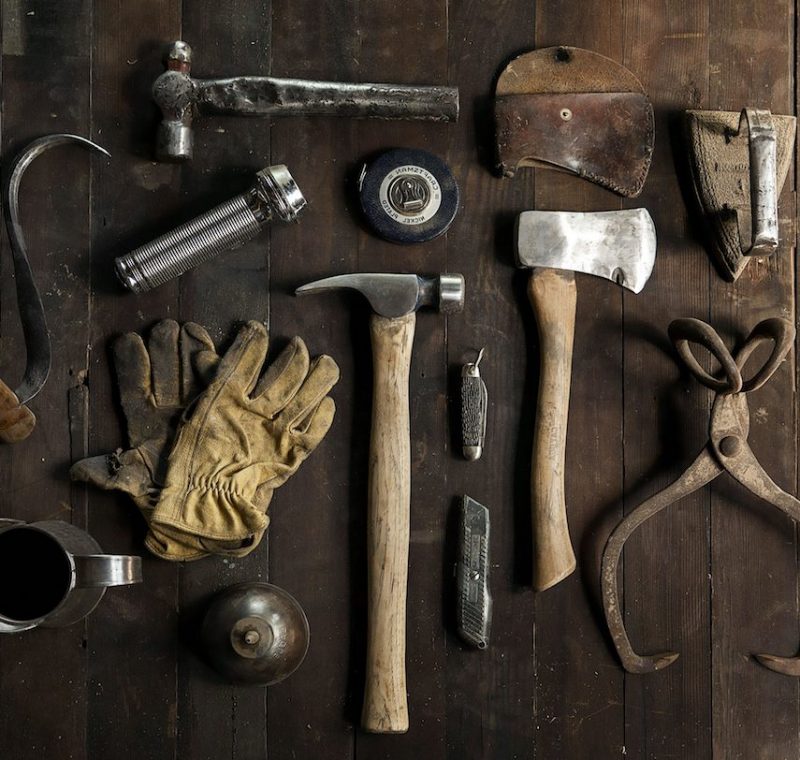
column 394, row 299
column 182, row 98
column 617, row 245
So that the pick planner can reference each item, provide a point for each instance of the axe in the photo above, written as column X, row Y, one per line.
column 617, row 245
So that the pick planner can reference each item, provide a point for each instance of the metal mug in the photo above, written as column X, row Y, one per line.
column 53, row 574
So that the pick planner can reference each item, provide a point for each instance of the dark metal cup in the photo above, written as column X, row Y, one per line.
column 53, row 574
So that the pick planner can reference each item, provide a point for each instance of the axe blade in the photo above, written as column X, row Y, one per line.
column 617, row 245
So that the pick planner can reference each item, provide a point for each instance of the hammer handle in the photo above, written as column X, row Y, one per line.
column 385, row 705
column 273, row 96
column 552, row 294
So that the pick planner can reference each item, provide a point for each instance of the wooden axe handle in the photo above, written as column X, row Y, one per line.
column 385, row 705
column 552, row 294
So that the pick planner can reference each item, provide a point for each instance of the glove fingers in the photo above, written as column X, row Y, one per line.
column 239, row 369
column 165, row 362
column 322, row 376
column 199, row 360
column 283, row 379
column 132, row 365
column 317, row 424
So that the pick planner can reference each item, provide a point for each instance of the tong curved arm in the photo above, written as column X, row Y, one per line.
column 703, row 470
column 727, row 450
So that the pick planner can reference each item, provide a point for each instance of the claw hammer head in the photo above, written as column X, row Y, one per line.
column 395, row 295
column 174, row 94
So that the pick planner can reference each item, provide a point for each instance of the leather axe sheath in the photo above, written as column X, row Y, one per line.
column 575, row 111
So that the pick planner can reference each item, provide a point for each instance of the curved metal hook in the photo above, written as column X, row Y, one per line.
column 29, row 302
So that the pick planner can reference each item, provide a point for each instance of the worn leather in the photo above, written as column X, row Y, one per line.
column 720, row 172
column 241, row 440
column 16, row 420
column 576, row 111
column 156, row 382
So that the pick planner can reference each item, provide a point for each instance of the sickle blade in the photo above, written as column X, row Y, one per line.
column 31, row 310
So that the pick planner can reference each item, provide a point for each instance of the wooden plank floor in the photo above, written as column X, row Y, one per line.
column 714, row 578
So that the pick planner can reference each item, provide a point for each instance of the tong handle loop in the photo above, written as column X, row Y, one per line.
column 687, row 330
column 778, row 330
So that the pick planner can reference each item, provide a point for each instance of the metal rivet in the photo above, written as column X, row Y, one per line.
column 730, row 445
column 252, row 637
column 566, row 114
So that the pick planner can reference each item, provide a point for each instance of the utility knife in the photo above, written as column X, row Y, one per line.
column 472, row 574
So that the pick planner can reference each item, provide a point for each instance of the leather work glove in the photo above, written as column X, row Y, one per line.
column 241, row 440
column 155, row 385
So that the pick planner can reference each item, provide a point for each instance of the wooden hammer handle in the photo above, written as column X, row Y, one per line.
column 552, row 294
column 385, row 705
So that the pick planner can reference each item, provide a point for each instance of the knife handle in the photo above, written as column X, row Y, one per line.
column 474, row 403
column 553, row 296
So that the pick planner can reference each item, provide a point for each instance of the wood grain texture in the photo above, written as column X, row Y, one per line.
column 388, row 526
column 553, row 295
column 714, row 577
column 46, row 68
column 667, row 594
column 753, row 549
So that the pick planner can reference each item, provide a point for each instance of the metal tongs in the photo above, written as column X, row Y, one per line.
column 726, row 451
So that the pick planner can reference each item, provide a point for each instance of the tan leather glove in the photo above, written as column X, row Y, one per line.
column 239, row 444
column 155, row 385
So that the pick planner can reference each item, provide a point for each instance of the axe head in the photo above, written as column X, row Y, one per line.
column 617, row 245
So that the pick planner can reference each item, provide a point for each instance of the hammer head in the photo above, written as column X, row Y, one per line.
column 394, row 295
column 617, row 245
column 174, row 94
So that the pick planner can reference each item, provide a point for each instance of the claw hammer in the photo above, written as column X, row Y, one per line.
column 394, row 299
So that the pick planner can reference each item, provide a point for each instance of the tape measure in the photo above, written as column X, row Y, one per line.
column 408, row 196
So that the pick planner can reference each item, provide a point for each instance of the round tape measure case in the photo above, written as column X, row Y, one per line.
column 408, row 196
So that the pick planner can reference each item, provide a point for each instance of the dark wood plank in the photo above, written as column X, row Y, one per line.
column 490, row 694
column 133, row 635
column 407, row 42
column 579, row 697
column 550, row 684
column 667, row 590
column 46, row 70
column 232, row 37
column 316, row 537
column 753, row 549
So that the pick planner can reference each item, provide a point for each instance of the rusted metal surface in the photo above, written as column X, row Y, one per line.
column 726, row 451
column 182, row 98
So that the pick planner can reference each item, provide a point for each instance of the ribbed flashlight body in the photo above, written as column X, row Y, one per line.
column 226, row 226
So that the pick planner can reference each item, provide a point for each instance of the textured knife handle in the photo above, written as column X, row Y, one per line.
column 472, row 575
column 474, row 399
